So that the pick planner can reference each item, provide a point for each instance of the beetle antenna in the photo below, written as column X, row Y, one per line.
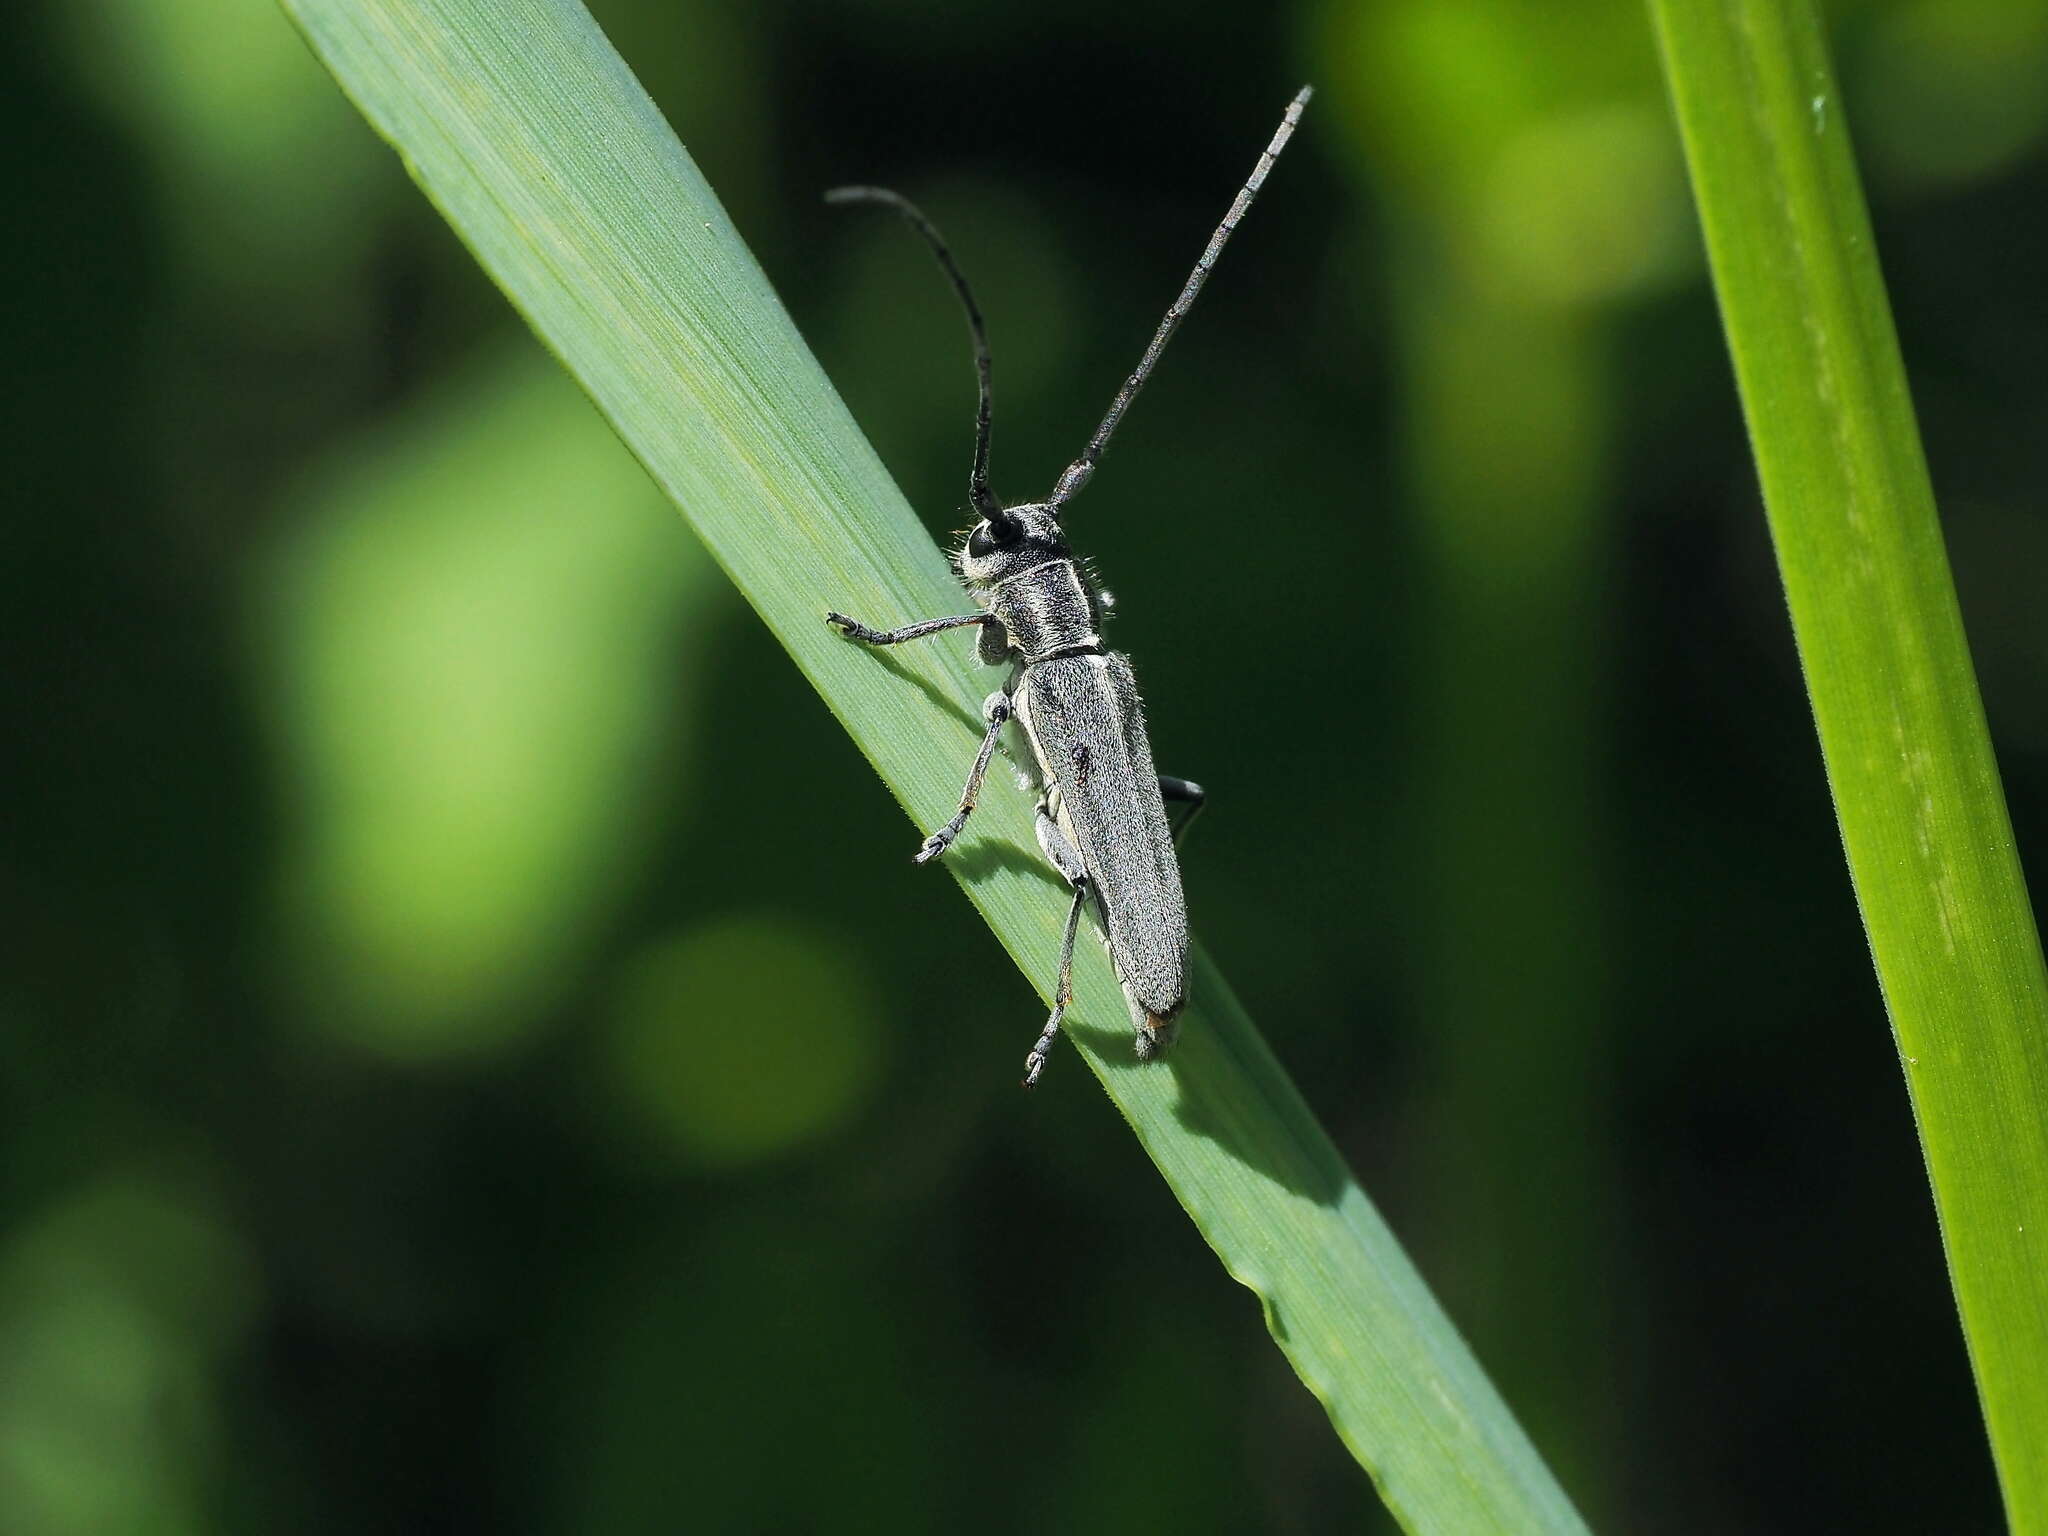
column 1076, row 474
column 984, row 499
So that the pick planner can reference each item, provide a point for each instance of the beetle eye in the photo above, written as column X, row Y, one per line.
column 993, row 534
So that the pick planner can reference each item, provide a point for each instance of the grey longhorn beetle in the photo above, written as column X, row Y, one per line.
column 1101, row 816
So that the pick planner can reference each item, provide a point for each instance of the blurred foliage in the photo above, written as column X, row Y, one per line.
column 118, row 1308
column 335, row 1204
column 1965, row 76
column 742, row 1038
column 471, row 689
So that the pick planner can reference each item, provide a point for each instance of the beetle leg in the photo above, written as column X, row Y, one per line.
column 1063, row 994
column 996, row 711
column 853, row 629
column 1061, row 855
column 1185, row 792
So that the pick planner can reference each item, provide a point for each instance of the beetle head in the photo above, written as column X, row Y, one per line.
column 1012, row 540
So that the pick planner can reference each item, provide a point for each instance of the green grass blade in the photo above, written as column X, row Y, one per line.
column 528, row 132
column 1880, row 636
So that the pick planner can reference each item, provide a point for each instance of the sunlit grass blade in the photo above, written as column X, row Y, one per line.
column 528, row 132
column 1881, row 641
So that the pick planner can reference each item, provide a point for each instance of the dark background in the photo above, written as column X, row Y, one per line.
column 445, row 1087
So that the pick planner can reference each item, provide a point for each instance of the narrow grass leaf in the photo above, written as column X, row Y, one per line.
column 1902, row 731
column 525, row 128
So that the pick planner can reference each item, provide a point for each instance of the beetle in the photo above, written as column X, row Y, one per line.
column 1101, row 814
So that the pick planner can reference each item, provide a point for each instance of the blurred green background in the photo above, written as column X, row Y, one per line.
column 478, row 1056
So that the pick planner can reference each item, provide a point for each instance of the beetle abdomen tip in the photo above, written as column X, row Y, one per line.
column 1155, row 1034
